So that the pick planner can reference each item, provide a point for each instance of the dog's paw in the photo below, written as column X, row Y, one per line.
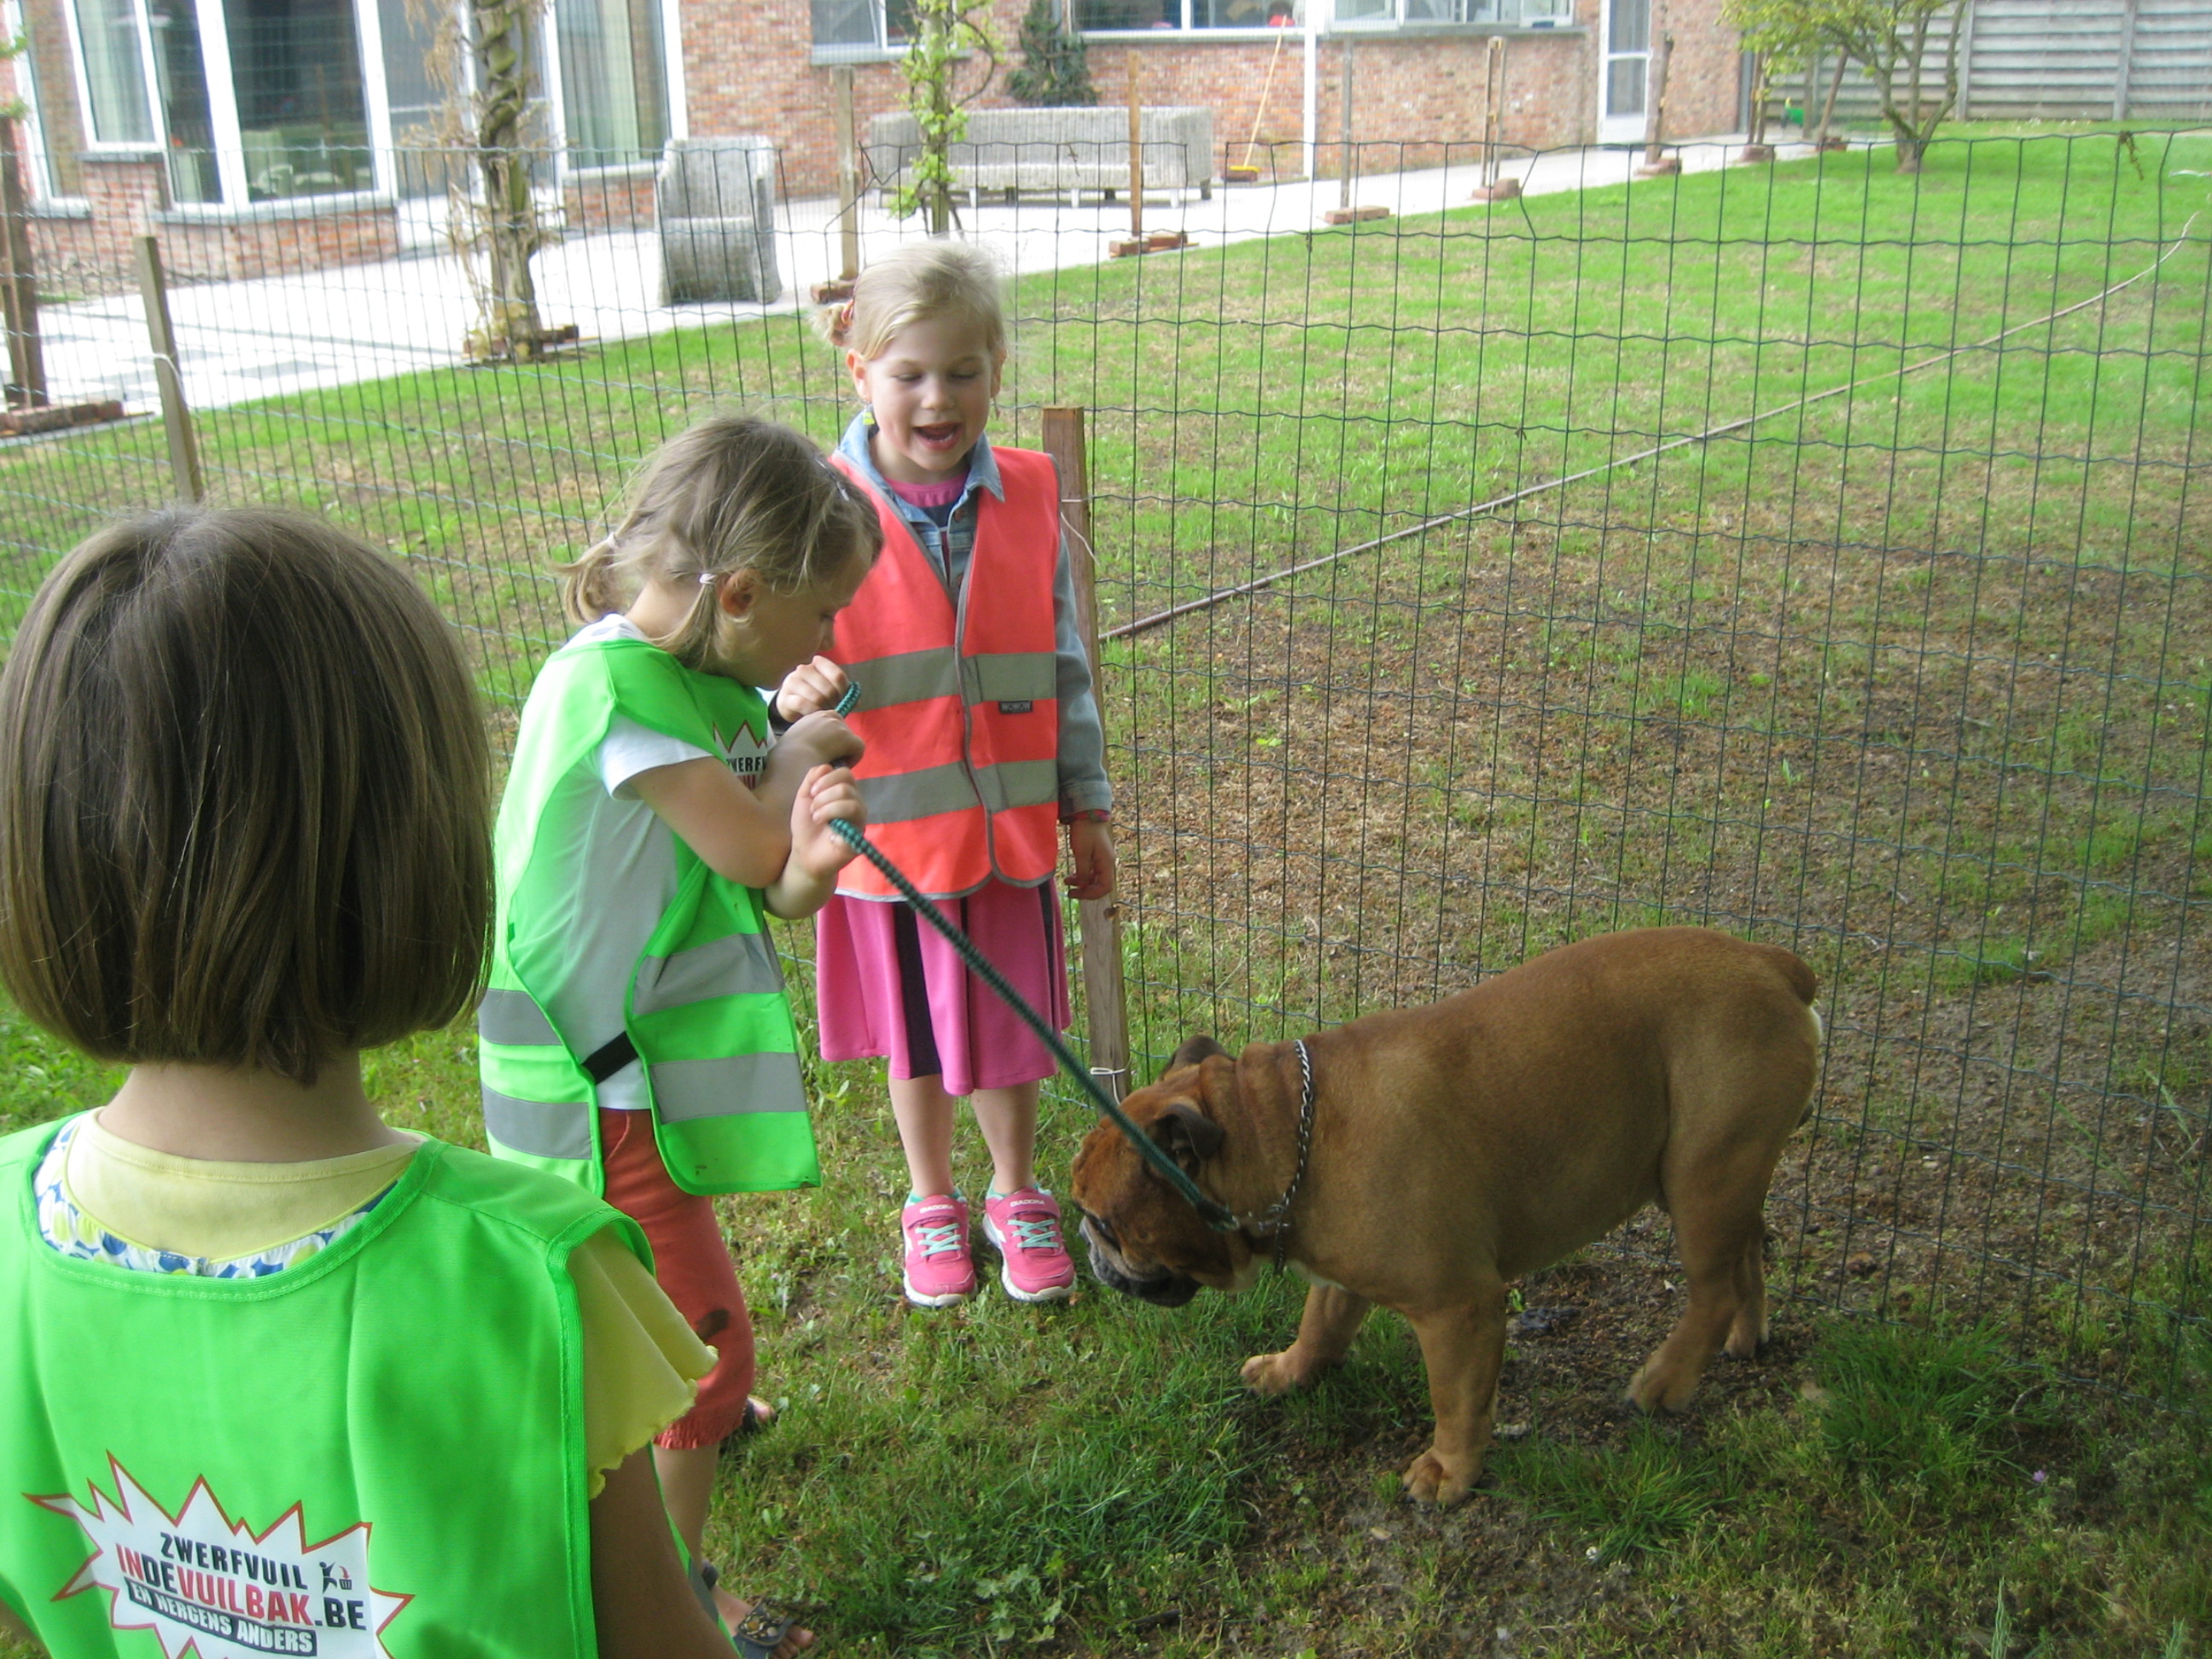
column 1428, row 1482
column 1654, row 1388
column 1271, row 1374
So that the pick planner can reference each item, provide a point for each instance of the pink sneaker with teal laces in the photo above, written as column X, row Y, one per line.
column 1024, row 1228
column 939, row 1269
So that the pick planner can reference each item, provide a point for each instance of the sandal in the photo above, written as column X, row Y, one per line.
column 761, row 1631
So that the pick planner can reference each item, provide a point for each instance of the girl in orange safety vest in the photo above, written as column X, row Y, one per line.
column 982, row 738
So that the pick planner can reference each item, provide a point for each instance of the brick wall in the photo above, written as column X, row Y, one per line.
column 614, row 198
column 748, row 71
column 1704, row 81
column 128, row 197
column 124, row 194
column 197, row 250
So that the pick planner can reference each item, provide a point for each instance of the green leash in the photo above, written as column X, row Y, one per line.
column 1169, row 1171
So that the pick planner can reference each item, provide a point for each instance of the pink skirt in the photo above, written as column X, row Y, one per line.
column 890, row 986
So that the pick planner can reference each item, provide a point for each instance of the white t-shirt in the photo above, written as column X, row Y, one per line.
column 618, row 861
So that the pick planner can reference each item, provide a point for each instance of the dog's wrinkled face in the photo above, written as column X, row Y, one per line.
column 1145, row 1240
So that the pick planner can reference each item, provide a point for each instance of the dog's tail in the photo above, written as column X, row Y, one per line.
column 1800, row 979
column 1805, row 985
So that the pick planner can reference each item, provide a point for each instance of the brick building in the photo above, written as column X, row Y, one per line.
column 256, row 134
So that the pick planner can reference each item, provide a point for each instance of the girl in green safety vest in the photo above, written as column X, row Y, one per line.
column 276, row 1376
column 636, row 1037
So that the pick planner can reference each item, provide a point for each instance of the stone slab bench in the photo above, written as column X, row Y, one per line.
column 1056, row 152
column 716, row 203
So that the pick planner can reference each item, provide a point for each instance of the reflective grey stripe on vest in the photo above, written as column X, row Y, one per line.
column 683, row 1090
column 1019, row 783
column 905, row 796
column 510, row 1017
column 542, row 1128
column 906, row 677
column 1012, row 677
column 737, row 964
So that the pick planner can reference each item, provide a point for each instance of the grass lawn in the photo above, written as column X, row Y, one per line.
column 1917, row 680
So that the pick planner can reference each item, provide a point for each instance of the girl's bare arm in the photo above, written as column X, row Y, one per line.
column 745, row 836
column 642, row 1603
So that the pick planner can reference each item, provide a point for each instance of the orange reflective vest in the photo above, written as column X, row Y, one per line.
column 959, row 703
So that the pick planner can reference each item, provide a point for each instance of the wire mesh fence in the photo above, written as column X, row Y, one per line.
column 1798, row 549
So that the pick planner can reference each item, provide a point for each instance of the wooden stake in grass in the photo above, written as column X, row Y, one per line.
column 1160, row 241
column 1104, row 998
column 1494, row 188
column 848, row 193
column 1756, row 148
column 1657, row 164
column 1344, row 213
column 176, row 416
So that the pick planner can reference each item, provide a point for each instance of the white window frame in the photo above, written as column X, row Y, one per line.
column 222, row 97
column 1189, row 30
column 1555, row 12
column 671, row 75
column 822, row 53
column 159, row 143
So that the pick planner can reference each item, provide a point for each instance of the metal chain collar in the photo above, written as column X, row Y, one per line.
column 1275, row 1219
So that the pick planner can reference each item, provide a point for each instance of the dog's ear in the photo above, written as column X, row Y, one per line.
column 1186, row 1134
column 1193, row 1050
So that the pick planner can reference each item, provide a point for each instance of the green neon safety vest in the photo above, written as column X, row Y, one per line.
column 378, row 1451
column 704, row 1004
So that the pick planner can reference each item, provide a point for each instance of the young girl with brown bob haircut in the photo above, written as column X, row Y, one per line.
column 277, row 1377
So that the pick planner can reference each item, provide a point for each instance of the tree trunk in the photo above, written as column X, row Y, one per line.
column 512, row 326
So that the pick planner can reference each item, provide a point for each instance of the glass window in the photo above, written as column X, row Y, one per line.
column 303, row 123
column 1128, row 14
column 416, row 100
column 1450, row 11
column 863, row 28
column 1229, row 14
column 114, row 71
column 613, row 81
column 180, row 77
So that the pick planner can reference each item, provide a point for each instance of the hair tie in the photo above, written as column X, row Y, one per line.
column 845, row 318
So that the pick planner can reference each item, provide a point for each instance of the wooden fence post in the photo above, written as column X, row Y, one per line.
column 1494, row 185
column 1343, row 123
column 19, row 285
column 1657, row 162
column 1136, row 150
column 176, row 416
column 1104, row 998
column 840, row 287
column 849, row 176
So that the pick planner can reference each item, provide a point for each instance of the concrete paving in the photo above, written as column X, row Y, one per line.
column 242, row 342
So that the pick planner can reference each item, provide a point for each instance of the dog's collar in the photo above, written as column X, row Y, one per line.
column 1275, row 1221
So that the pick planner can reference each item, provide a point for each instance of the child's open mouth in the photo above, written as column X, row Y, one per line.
column 945, row 434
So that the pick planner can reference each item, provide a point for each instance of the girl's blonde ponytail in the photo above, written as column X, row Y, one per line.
column 590, row 587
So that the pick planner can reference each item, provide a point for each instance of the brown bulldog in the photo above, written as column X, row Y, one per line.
column 1439, row 1153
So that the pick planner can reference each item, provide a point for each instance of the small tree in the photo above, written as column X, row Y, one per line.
column 945, row 33
column 493, row 127
column 1056, row 70
column 1893, row 40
